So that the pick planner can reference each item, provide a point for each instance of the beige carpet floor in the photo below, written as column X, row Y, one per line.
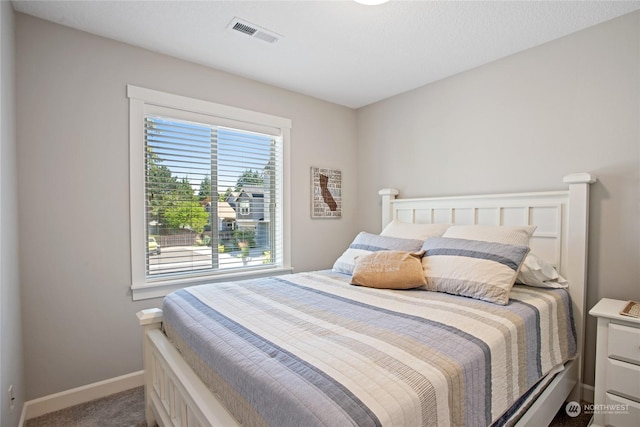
column 126, row 409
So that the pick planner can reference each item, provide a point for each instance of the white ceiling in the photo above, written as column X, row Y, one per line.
column 339, row 51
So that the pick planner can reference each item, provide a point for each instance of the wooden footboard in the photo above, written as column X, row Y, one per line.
column 174, row 395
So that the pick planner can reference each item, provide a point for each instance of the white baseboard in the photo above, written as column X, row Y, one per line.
column 55, row 402
column 587, row 393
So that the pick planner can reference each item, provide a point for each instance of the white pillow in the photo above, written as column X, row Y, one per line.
column 539, row 273
column 407, row 230
column 508, row 235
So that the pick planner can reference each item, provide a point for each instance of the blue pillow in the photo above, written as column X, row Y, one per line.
column 365, row 243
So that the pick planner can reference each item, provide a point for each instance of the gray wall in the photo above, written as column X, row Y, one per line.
column 521, row 124
column 72, row 123
column 11, row 368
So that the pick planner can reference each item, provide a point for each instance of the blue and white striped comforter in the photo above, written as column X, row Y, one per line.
column 309, row 349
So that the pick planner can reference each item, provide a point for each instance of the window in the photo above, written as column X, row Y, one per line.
column 208, row 192
column 245, row 208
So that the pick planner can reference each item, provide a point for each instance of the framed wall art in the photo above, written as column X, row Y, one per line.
column 326, row 193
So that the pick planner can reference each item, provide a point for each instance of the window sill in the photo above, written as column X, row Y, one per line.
column 162, row 288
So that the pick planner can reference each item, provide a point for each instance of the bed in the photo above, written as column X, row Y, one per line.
column 313, row 349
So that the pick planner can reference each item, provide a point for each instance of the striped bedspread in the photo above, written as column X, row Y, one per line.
column 308, row 349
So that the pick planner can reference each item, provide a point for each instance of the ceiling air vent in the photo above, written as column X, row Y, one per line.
column 253, row 30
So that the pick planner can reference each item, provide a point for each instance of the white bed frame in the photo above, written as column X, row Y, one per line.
column 175, row 396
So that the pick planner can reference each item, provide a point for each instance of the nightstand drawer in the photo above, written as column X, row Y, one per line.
column 624, row 343
column 623, row 379
column 621, row 412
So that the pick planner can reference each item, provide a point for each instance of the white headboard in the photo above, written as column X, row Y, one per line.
column 561, row 217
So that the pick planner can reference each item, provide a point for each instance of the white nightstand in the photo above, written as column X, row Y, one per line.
column 617, row 383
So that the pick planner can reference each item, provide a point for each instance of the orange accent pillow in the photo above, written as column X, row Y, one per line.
column 389, row 270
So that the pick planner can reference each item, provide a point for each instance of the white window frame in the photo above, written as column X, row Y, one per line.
column 141, row 101
column 245, row 207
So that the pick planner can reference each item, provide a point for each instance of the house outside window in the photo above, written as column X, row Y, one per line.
column 208, row 186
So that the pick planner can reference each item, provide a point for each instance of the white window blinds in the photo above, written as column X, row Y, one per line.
column 208, row 192
column 212, row 196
